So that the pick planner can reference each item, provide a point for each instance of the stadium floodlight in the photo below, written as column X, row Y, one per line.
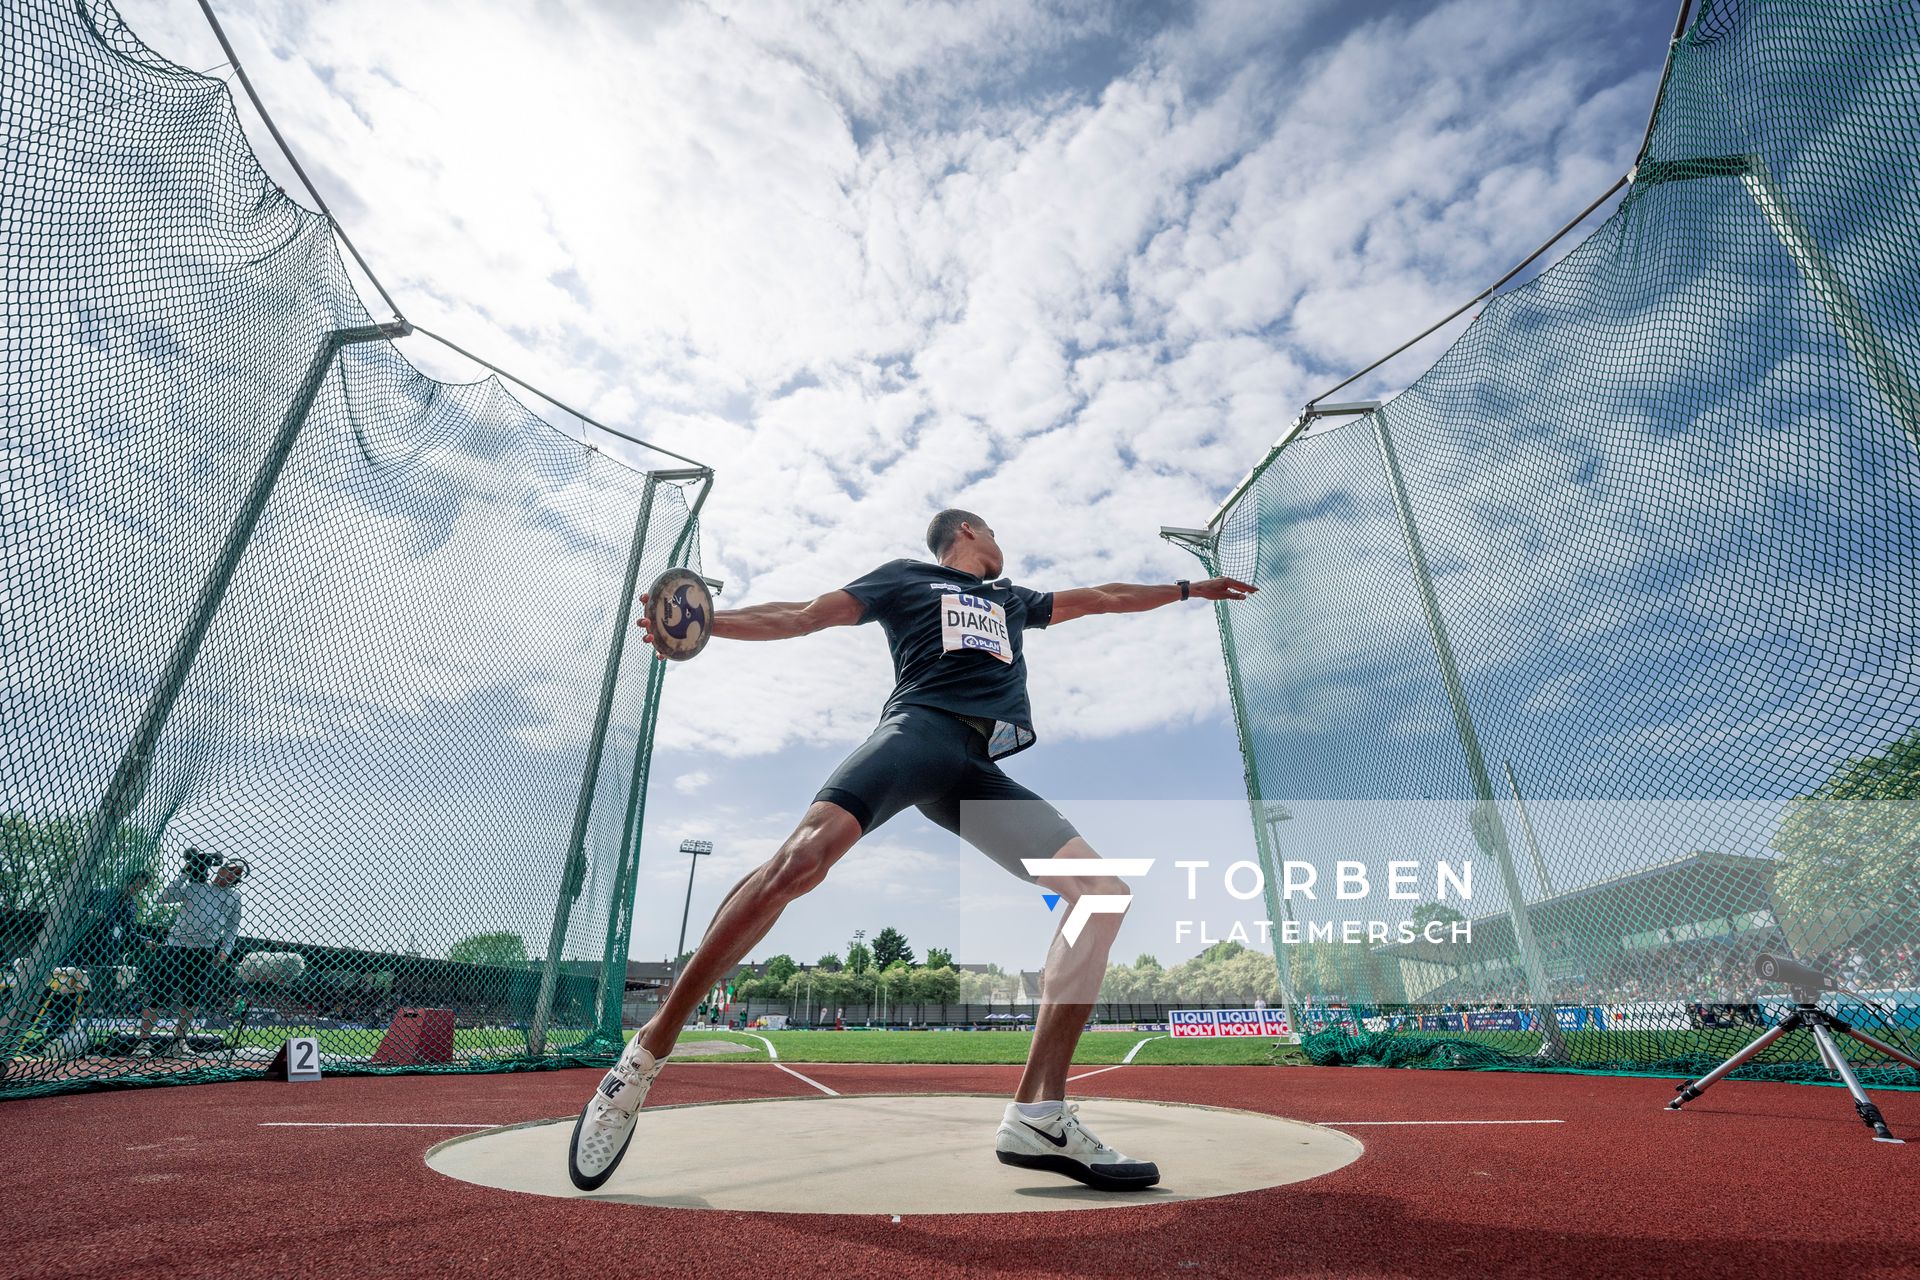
column 696, row 850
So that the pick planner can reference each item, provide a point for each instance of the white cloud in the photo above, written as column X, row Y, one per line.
column 868, row 260
column 872, row 259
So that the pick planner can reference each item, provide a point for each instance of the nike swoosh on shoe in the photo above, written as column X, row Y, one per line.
column 1060, row 1141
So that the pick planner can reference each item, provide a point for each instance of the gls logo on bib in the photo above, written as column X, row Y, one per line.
column 972, row 622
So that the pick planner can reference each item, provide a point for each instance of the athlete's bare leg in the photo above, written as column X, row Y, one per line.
column 1071, row 984
column 749, row 910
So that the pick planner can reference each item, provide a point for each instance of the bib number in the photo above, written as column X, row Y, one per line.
column 973, row 622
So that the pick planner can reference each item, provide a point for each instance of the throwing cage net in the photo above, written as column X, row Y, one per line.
column 1620, row 602
column 277, row 604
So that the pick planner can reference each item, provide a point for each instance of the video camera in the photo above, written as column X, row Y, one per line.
column 1803, row 978
column 199, row 862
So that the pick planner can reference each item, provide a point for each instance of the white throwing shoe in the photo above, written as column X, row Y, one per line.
column 1061, row 1144
column 605, row 1126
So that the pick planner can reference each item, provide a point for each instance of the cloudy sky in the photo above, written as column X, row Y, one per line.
column 1074, row 266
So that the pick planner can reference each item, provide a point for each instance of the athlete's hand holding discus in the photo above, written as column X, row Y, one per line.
column 677, row 615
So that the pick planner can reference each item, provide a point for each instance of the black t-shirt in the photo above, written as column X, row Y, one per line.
column 956, row 643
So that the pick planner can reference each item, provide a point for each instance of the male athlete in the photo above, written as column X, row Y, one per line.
column 959, row 703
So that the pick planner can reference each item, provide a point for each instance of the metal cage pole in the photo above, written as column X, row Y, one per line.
column 1489, row 828
column 612, row 995
column 573, row 874
column 1273, row 814
column 1842, row 309
column 1203, row 544
column 1533, row 837
column 131, row 776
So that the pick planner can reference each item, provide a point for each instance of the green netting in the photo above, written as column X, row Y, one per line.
column 392, row 604
column 1621, row 601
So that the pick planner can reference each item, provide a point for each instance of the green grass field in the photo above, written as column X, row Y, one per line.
column 931, row 1047
column 363, row 1043
column 1097, row 1048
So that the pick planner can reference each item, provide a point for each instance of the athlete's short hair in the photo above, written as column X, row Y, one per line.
column 946, row 527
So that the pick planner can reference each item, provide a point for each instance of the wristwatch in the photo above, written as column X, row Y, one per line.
column 1186, row 588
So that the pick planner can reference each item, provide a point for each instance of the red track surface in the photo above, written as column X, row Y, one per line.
column 1751, row 1180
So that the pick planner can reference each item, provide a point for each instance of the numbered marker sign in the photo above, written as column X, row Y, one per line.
column 303, row 1058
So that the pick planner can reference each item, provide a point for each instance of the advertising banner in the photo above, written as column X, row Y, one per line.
column 1185, row 1024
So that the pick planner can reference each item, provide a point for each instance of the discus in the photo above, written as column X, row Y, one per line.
column 679, row 614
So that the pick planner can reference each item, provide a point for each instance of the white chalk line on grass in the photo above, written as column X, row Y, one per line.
column 773, row 1056
column 1124, row 1062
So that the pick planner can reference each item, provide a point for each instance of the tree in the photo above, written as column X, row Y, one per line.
column 939, row 958
column 761, row 988
column 829, row 963
column 858, row 958
column 1223, row 950
column 934, row 985
column 1847, row 850
column 1430, row 912
column 501, row 950
column 780, row 968
column 36, row 854
column 890, row 945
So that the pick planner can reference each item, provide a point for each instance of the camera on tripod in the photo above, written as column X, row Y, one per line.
column 199, row 862
column 1803, row 978
column 1807, row 983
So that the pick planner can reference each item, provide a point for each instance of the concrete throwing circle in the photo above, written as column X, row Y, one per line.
column 918, row 1154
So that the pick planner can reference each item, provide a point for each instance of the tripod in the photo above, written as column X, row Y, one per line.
column 1808, row 1016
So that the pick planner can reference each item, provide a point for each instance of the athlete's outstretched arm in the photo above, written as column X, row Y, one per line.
column 1133, row 597
column 780, row 621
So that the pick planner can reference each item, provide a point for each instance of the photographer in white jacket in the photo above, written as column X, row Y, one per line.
column 200, row 941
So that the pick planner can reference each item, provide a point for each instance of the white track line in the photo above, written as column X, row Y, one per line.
column 1352, row 1124
column 1124, row 1062
column 1098, row 1071
column 364, row 1124
column 831, row 1093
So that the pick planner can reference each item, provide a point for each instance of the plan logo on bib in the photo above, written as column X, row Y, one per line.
column 974, row 622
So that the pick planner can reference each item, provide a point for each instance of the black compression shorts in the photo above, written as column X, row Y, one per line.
column 177, row 976
column 937, row 762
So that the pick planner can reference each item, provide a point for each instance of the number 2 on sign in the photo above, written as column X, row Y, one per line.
column 303, row 1058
